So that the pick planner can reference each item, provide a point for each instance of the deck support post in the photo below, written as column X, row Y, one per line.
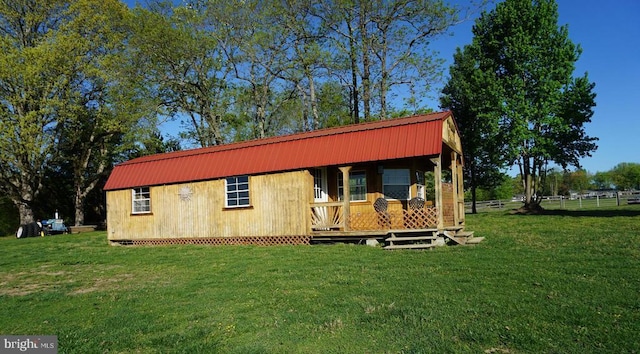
column 437, row 176
column 346, row 196
column 454, row 183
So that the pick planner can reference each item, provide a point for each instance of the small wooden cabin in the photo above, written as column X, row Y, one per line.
column 357, row 182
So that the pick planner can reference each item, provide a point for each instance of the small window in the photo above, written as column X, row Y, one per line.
column 237, row 191
column 396, row 184
column 357, row 186
column 141, row 200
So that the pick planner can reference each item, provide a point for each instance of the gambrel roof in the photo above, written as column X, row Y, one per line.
column 420, row 135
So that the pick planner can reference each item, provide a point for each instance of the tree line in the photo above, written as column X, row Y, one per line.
column 85, row 83
column 624, row 176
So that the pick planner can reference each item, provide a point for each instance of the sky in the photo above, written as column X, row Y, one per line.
column 609, row 34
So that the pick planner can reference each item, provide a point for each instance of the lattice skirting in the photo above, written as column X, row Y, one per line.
column 220, row 241
column 398, row 219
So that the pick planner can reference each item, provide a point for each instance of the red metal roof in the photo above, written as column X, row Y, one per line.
column 374, row 141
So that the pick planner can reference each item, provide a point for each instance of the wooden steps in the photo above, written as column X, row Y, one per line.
column 463, row 237
column 432, row 238
column 408, row 246
column 412, row 240
column 474, row 240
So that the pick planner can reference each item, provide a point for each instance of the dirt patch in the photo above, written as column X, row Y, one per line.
column 533, row 209
column 103, row 284
column 84, row 278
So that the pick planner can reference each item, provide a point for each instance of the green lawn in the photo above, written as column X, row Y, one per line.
column 567, row 282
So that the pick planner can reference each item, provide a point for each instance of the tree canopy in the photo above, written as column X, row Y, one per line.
column 83, row 82
column 520, row 68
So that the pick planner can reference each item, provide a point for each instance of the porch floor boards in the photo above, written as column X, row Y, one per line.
column 366, row 234
column 403, row 238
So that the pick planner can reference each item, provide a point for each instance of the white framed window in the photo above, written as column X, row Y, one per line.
column 357, row 186
column 396, row 184
column 140, row 200
column 237, row 191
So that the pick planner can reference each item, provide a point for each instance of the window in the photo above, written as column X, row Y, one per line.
column 396, row 184
column 237, row 191
column 357, row 186
column 141, row 200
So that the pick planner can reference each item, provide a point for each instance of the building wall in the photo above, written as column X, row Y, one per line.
column 279, row 207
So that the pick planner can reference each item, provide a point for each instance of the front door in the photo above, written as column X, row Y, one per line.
column 320, row 195
column 320, row 185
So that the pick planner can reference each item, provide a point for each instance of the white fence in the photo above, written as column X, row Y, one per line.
column 560, row 202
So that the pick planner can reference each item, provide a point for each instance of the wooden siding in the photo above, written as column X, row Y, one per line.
column 189, row 210
column 450, row 135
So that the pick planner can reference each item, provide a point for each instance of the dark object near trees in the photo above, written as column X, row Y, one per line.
column 44, row 228
column 32, row 229
column 54, row 226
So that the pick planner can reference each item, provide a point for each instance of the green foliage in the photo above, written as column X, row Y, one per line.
column 602, row 180
column 504, row 190
column 9, row 218
column 63, row 109
column 35, row 75
column 521, row 63
column 537, row 284
column 333, row 105
column 474, row 99
column 626, row 176
column 578, row 181
column 175, row 53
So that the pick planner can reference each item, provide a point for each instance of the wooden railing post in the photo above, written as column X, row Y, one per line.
column 437, row 176
column 346, row 195
column 454, row 183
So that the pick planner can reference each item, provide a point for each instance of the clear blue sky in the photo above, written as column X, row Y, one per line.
column 609, row 34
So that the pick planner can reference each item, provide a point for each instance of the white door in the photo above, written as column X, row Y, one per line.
column 320, row 185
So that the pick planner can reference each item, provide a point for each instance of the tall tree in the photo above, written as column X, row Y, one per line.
column 258, row 49
column 179, row 57
column 402, row 30
column 529, row 61
column 100, row 112
column 383, row 44
column 474, row 100
column 309, row 56
column 35, row 80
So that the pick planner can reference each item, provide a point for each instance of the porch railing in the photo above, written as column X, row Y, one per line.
column 327, row 216
column 330, row 216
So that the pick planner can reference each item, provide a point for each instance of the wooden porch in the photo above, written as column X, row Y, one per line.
column 405, row 228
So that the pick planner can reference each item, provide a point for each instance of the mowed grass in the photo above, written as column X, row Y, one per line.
column 566, row 282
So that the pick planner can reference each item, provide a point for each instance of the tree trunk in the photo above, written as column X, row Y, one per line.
column 531, row 201
column 79, row 206
column 383, row 86
column 314, row 103
column 354, row 83
column 474, row 209
column 366, row 63
column 474, row 186
column 25, row 211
